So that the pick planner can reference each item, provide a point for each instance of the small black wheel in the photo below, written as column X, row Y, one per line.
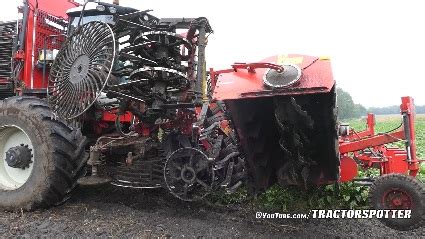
column 189, row 174
column 399, row 192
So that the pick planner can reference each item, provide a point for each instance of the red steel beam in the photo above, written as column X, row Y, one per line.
column 407, row 109
column 370, row 128
column 376, row 140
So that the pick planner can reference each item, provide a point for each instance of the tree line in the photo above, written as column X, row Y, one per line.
column 347, row 109
column 394, row 109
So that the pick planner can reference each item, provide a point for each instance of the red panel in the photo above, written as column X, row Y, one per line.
column 111, row 117
column 348, row 169
column 397, row 161
column 57, row 8
column 316, row 78
column 27, row 72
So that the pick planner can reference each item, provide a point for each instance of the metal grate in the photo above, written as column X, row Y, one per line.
column 7, row 35
column 48, row 25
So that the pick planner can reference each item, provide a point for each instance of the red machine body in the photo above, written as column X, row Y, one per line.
column 246, row 80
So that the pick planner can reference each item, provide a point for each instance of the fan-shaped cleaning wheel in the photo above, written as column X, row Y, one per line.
column 81, row 69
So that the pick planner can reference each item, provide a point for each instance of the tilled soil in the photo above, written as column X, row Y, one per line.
column 108, row 212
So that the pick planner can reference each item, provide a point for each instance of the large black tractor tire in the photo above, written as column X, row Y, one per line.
column 399, row 191
column 58, row 155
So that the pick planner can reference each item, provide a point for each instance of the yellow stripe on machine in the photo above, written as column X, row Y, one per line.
column 285, row 60
column 324, row 58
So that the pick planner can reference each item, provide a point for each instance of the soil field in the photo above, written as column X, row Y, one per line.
column 108, row 212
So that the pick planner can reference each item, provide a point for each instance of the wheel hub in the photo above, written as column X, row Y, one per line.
column 17, row 163
column 397, row 202
column 397, row 199
column 79, row 69
column 19, row 157
column 286, row 78
column 188, row 174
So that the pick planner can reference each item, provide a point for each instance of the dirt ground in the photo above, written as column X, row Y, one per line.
column 108, row 212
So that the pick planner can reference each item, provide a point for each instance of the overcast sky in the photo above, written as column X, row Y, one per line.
column 377, row 47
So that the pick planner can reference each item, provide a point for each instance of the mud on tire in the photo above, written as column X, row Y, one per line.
column 411, row 191
column 58, row 155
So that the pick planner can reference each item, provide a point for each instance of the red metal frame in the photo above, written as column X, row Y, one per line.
column 112, row 116
column 371, row 150
column 370, row 127
column 250, row 67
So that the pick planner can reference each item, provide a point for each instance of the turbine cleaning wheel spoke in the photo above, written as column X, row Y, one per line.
column 73, row 86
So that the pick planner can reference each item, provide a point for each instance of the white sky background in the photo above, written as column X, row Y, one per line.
column 377, row 47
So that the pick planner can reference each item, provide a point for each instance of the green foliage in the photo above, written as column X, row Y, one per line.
column 345, row 104
column 422, row 173
column 222, row 198
column 394, row 109
column 346, row 107
column 359, row 110
column 278, row 198
column 350, row 196
column 295, row 199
